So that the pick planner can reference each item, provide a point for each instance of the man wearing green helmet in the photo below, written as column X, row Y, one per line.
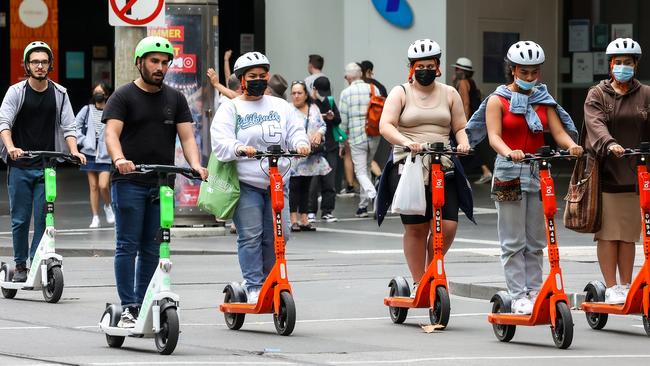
column 142, row 120
column 35, row 115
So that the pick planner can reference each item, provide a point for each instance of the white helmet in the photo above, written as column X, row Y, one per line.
column 423, row 49
column 623, row 46
column 526, row 53
column 250, row 60
column 464, row 63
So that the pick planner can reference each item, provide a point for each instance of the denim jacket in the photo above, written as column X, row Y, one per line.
column 87, row 142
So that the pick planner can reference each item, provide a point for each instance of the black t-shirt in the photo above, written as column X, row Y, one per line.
column 35, row 124
column 149, row 132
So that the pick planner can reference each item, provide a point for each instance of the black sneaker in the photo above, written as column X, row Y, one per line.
column 20, row 273
column 328, row 217
column 362, row 212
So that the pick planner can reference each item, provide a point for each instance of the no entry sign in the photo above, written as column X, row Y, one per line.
column 136, row 13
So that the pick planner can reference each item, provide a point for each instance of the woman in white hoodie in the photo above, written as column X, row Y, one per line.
column 241, row 126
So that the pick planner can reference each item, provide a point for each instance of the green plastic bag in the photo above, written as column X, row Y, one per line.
column 339, row 134
column 220, row 193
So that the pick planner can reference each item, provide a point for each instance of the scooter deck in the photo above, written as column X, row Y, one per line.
column 243, row 308
column 124, row 332
column 517, row 319
column 16, row 286
column 403, row 302
column 605, row 308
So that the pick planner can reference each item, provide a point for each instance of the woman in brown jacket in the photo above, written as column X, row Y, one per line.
column 616, row 117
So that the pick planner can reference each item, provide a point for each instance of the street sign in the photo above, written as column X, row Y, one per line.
column 136, row 13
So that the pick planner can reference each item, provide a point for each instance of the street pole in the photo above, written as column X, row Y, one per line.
column 126, row 38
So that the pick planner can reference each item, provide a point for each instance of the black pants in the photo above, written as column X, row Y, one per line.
column 299, row 194
column 325, row 185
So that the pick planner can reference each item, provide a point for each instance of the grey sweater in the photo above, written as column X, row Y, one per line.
column 13, row 102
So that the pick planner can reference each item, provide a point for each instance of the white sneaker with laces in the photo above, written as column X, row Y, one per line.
column 414, row 290
column 127, row 320
column 253, row 296
column 311, row 217
column 615, row 295
column 522, row 305
column 94, row 223
column 110, row 216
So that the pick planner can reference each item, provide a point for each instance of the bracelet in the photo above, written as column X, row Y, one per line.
column 116, row 160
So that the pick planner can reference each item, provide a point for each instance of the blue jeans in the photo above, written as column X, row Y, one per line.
column 26, row 190
column 254, row 221
column 137, row 220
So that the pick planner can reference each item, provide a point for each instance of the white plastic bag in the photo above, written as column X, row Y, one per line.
column 409, row 196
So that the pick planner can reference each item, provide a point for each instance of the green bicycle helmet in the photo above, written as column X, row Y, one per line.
column 153, row 44
column 36, row 46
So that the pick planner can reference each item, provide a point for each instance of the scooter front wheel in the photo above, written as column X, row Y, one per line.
column 167, row 338
column 562, row 331
column 285, row 321
column 595, row 293
column 53, row 290
column 7, row 274
column 441, row 308
column 500, row 305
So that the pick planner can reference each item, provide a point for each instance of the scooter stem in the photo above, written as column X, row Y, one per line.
column 277, row 202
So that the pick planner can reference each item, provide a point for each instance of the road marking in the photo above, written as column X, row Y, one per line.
column 398, row 235
column 194, row 363
column 332, row 320
column 570, row 251
column 481, row 358
column 69, row 230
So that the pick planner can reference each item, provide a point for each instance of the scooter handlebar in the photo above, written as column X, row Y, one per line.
column 51, row 155
column 169, row 169
column 431, row 148
column 546, row 155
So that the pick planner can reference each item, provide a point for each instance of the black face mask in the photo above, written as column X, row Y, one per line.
column 425, row 77
column 256, row 87
column 99, row 97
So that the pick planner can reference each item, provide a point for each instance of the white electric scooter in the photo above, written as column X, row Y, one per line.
column 45, row 271
column 159, row 314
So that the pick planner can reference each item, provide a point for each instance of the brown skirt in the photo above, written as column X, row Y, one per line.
column 621, row 217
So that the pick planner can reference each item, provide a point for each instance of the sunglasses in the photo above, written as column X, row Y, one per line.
column 298, row 82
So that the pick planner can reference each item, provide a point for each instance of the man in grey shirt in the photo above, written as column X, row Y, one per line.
column 315, row 69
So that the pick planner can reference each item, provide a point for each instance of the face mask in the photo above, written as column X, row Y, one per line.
column 623, row 73
column 425, row 77
column 525, row 85
column 99, row 97
column 256, row 87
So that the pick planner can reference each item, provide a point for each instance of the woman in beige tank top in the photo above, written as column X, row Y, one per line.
column 431, row 112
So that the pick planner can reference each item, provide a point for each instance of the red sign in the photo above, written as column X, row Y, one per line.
column 121, row 13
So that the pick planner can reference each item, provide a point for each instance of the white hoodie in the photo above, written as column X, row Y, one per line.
column 260, row 124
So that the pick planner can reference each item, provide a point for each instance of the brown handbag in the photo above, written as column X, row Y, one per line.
column 583, row 199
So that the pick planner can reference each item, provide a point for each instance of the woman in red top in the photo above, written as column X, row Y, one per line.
column 515, row 127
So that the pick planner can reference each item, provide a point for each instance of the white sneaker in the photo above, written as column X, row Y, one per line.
column 127, row 320
column 414, row 290
column 616, row 295
column 253, row 296
column 311, row 217
column 110, row 216
column 522, row 305
column 94, row 223
column 532, row 295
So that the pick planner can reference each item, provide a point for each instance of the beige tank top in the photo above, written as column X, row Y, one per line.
column 424, row 124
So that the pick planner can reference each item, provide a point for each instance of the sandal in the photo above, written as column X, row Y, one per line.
column 307, row 227
column 295, row 227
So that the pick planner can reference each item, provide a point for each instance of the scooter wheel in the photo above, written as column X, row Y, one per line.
column 285, row 321
column 234, row 293
column 501, row 305
column 111, row 317
column 167, row 338
column 646, row 324
column 7, row 274
column 562, row 331
column 439, row 312
column 398, row 287
column 54, row 289
column 595, row 293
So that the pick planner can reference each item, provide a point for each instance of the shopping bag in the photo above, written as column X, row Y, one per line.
column 409, row 196
column 220, row 193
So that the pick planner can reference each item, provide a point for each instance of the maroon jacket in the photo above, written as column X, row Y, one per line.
column 613, row 118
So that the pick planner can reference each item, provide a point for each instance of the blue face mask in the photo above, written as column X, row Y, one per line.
column 525, row 85
column 623, row 73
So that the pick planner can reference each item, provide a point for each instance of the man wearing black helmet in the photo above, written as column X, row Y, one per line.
column 35, row 115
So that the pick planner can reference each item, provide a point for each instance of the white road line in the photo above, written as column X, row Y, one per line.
column 266, row 362
column 332, row 320
column 481, row 358
column 397, row 235
column 69, row 230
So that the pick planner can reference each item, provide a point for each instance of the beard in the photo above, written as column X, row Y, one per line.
column 149, row 77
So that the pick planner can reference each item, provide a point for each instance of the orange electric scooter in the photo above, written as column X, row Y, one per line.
column 275, row 295
column 552, row 303
column 638, row 297
column 432, row 291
